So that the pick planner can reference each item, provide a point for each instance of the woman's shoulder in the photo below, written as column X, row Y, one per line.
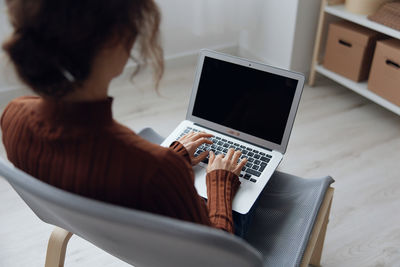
column 14, row 107
column 24, row 100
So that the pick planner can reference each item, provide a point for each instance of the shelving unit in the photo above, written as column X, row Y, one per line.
column 331, row 13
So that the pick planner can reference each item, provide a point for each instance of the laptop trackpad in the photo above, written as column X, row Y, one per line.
column 200, row 179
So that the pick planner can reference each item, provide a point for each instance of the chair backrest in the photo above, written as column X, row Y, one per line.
column 136, row 237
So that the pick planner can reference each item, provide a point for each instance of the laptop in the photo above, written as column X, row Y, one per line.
column 248, row 106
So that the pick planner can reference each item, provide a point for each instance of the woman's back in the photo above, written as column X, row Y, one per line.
column 80, row 148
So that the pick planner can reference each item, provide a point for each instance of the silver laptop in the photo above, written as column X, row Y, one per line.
column 248, row 106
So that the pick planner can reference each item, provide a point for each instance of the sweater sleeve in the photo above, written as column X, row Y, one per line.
column 180, row 150
column 171, row 193
column 222, row 186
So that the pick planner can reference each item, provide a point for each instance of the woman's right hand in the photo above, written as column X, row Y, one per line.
column 192, row 141
column 228, row 162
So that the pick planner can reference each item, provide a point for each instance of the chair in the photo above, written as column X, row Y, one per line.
column 288, row 228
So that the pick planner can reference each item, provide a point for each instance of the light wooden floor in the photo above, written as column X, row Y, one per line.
column 337, row 133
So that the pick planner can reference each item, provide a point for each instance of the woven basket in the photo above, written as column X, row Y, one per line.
column 389, row 15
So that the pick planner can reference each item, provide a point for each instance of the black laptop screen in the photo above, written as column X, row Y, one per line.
column 245, row 99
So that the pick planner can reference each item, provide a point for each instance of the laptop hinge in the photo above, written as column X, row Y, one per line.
column 234, row 137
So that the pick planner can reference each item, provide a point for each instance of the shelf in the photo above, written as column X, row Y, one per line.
column 340, row 11
column 360, row 88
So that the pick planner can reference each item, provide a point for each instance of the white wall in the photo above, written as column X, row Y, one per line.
column 7, row 77
column 268, row 33
column 4, row 25
column 188, row 26
column 281, row 33
column 304, row 35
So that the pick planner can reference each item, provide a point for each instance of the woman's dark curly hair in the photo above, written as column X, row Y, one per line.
column 54, row 42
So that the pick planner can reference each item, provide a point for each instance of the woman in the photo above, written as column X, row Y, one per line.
column 68, row 52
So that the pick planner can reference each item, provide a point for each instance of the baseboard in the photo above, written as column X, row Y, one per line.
column 245, row 53
column 5, row 90
column 249, row 55
column 190, row 57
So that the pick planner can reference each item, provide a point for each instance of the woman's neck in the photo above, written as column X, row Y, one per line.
column 108, row 64
column 92, row 90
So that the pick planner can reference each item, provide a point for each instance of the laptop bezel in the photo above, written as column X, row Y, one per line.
column 233, row 132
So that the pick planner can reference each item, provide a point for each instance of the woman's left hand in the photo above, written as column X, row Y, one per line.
column 192, row 141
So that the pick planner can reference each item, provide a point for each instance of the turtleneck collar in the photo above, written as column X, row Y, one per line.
column 97, row 112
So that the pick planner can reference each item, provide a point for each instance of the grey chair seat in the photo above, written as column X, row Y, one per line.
column 285, row 216
column 278, row 236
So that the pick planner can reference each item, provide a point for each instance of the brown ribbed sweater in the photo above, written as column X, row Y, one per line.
column 78, row 147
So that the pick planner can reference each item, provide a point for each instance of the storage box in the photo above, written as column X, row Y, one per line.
column 349, row 50
column 384, row 79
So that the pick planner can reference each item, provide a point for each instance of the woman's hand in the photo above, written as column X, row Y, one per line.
column 192, row 141
column 228, row 162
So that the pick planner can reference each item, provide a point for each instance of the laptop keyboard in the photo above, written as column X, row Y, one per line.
column 256, row 161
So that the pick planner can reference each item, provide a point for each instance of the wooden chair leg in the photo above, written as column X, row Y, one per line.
column 316, row 256
column 312, row 254
column 57, row 247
